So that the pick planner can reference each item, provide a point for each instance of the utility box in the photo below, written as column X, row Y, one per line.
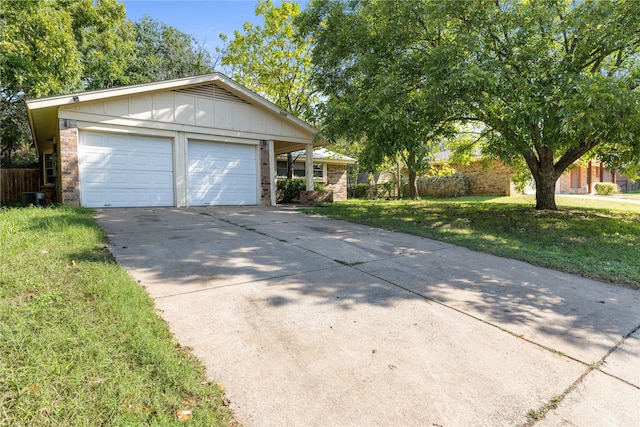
column 32, row 198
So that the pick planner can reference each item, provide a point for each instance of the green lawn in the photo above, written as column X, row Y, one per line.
column 80, row 343
column 634, row 195
column 597, row 239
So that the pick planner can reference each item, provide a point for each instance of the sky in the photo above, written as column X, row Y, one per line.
column 203, row 19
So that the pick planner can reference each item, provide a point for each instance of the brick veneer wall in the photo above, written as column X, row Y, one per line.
column 495, row 179
column 337, row 181
column 265, row 175
column 69, row 191
column 565, row 184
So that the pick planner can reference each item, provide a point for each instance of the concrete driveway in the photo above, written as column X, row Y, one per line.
column 309, row 321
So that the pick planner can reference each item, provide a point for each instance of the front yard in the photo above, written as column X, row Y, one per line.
column 592, row 238
column 80, row 343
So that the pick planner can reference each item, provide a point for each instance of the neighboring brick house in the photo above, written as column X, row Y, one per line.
column 496, row 178
column 329, row 168
column 492, row 178
column 580, row 179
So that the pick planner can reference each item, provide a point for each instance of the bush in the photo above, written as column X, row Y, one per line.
column 288, row 190
column 453, row 185
column 606, row 188
column 359, row 191
column 380, row 191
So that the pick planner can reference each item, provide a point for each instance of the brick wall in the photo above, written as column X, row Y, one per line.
column 575, row 180
column 69, row 192
column 337, row 181
column 265, row 176
column 495, row 179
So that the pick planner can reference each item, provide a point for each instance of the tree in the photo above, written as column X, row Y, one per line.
column 550, row 80
column 368, row 61
column 104, row 39
column 272, row 61
column 163, row 52
column 37, row 57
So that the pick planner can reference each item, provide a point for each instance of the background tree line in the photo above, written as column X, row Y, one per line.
column 52, row 47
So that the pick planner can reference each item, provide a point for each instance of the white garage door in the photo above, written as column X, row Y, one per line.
column 125, row 170
column 222, row 174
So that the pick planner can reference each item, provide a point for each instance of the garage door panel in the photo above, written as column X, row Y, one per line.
column 222, row 174
column 125, row 170
column 128, row 198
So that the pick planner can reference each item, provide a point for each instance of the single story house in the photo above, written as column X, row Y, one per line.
column 329, row 168
column 581, row 178
column 194, row 141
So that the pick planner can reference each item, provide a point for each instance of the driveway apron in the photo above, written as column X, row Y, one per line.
column 309, row 321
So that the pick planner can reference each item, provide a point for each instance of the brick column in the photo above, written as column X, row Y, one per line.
column 69, row 181
column 337, row 181
column 265, row 174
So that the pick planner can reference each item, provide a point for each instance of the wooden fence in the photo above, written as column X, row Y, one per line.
column 14, row 182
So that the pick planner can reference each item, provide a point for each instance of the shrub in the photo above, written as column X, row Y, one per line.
column 288, row 190
column 606, row 188
column 453, row 185
column 359, row 191
column 386, row 190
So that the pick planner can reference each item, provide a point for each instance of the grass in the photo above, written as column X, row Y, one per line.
column 80, row 343
column 634, row 195
column 596, row 239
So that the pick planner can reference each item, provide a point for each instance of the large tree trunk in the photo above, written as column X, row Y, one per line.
column 546, row 193
column 544, row 173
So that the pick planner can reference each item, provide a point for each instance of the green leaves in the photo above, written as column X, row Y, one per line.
column 272, row 61
column 163, row 52
column 370, row 61
column 550, row 81
column 37, row 49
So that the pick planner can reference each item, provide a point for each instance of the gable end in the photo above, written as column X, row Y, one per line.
column 213, row 92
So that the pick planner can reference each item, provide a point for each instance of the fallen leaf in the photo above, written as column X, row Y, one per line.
column 226, row 402
column 189, row 401
column 184, row 415
column 73, row 263
column 159, row 312
column 34, row 387
column 44, row 251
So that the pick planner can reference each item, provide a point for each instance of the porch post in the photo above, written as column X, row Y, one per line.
column 309, row 166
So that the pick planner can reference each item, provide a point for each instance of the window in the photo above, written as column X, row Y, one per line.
column 50, row 169
column 282, row 168
column 299, row 170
